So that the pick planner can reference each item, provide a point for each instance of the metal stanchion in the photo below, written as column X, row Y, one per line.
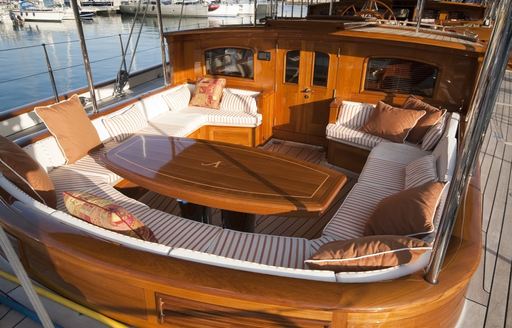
column 162, row 41
column 50, row 73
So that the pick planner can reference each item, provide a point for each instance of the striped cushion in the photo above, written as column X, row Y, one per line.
column 92, row 166
column 350, row 219
column 351, row 136
column 65, row 179
column 235, row 102
column 397, row 153
column 420, row 171
column 354, row 114
column 384, row 173
column 108, row 192
column 433, row 135
column 125, row 124
column 319, row 242
column 221, row 117
column 178, row 232
column 177, row 99
column 289, row 252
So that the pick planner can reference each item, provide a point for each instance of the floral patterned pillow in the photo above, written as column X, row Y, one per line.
column 208, row 93
column 105, row 214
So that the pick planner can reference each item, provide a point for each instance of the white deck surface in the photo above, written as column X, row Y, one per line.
column 488, row 297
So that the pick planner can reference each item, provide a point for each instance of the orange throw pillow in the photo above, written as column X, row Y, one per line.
column 391, row 123
column 407, row 213
column 18, row 167
column 431, row 117
column 68, row 122
column 367, row 253
column 104, row 213
column 208, row 93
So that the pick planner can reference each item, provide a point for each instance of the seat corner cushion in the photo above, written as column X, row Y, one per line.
column 351, row 136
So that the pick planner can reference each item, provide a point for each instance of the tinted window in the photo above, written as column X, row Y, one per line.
column 292, row 66
column 321, row 69
column 400, row 76
column 230, row 62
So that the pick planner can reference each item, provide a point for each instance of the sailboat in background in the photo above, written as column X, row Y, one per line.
column 31, row 12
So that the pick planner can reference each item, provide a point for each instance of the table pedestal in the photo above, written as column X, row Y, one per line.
column 194, row 212
column 238, row 221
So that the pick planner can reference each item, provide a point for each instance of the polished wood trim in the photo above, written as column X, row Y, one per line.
column 348, row 157
column 220, row 175
column 334, row 109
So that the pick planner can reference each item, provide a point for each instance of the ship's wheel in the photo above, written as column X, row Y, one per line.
column 371, row 8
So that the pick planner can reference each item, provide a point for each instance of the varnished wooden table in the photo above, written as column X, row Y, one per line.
column 230, row 177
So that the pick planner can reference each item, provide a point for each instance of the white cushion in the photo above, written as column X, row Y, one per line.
column 126, row 123
column 177, row 99
column 434, row 134
column 420, row 171
column 237, row 102
column 397, row 153
column 153, row 105
column 383, row 173
column 176, row 124
column 352, row 136
column 224, row 118
column 350, row 219
column 354, row 114
column 452, row 124
column 288, row 252
column 446, row 157
column 175, row 231
column 47, row 153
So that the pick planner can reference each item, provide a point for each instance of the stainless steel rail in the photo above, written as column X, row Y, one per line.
column 162, row 41
column 480, row 112
column 85, row 55
column 50, row 73
column 419, row 13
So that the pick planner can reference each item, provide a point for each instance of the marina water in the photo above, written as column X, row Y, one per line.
column 23, row 72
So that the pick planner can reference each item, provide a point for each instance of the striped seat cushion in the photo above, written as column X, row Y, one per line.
column 227, row 118
column 289, row 252
column 106, row 191
column 351, row 136
column 420, row 171
column 319, row 242
column 125, row 124
column 92, row 166
column 65, row 179
column 177, row 232
column 434, row 134
column 236, row 102
column 397, row 153
column 380, row 172
column 350, row 219
column 177, row 99
column 354, row 114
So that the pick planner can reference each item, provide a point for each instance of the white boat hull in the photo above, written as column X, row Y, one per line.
column 225, row 10
column 40, row 15
column 189, row 10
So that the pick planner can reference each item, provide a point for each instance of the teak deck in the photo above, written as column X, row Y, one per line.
column 230, row 177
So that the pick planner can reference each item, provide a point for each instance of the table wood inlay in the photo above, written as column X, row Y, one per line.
column 225, row 176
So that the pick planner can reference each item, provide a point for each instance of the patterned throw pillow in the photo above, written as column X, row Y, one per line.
column 235, row 102
column 177, row 99
column 208, row 93
column 420, row 171
column 105, row 214
column 125, row 124
column 434, row 134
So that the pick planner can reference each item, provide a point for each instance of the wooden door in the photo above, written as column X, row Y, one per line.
column 305, row 80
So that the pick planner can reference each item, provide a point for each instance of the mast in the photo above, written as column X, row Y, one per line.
column 480, row 112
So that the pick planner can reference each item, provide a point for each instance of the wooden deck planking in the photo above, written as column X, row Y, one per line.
column 491, row 286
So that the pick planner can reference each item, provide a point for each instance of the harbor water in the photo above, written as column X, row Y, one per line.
column 24, row 76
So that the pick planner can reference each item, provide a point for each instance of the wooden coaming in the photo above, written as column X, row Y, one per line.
column 93, row 272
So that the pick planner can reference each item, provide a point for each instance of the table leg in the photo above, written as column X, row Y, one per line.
column 193, row 211
column 238, row 221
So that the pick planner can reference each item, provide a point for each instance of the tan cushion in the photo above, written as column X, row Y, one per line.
column 367, row 253
column 106, row 214
column 391, row 123
column 208, row 93
column 22, row 170
column 406, row 213
column 68, row 122
column 431, row 117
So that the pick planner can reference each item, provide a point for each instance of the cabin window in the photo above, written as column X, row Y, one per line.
column 238, row 62
column 400, row 76
column 292, row 66
column 321, row 69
